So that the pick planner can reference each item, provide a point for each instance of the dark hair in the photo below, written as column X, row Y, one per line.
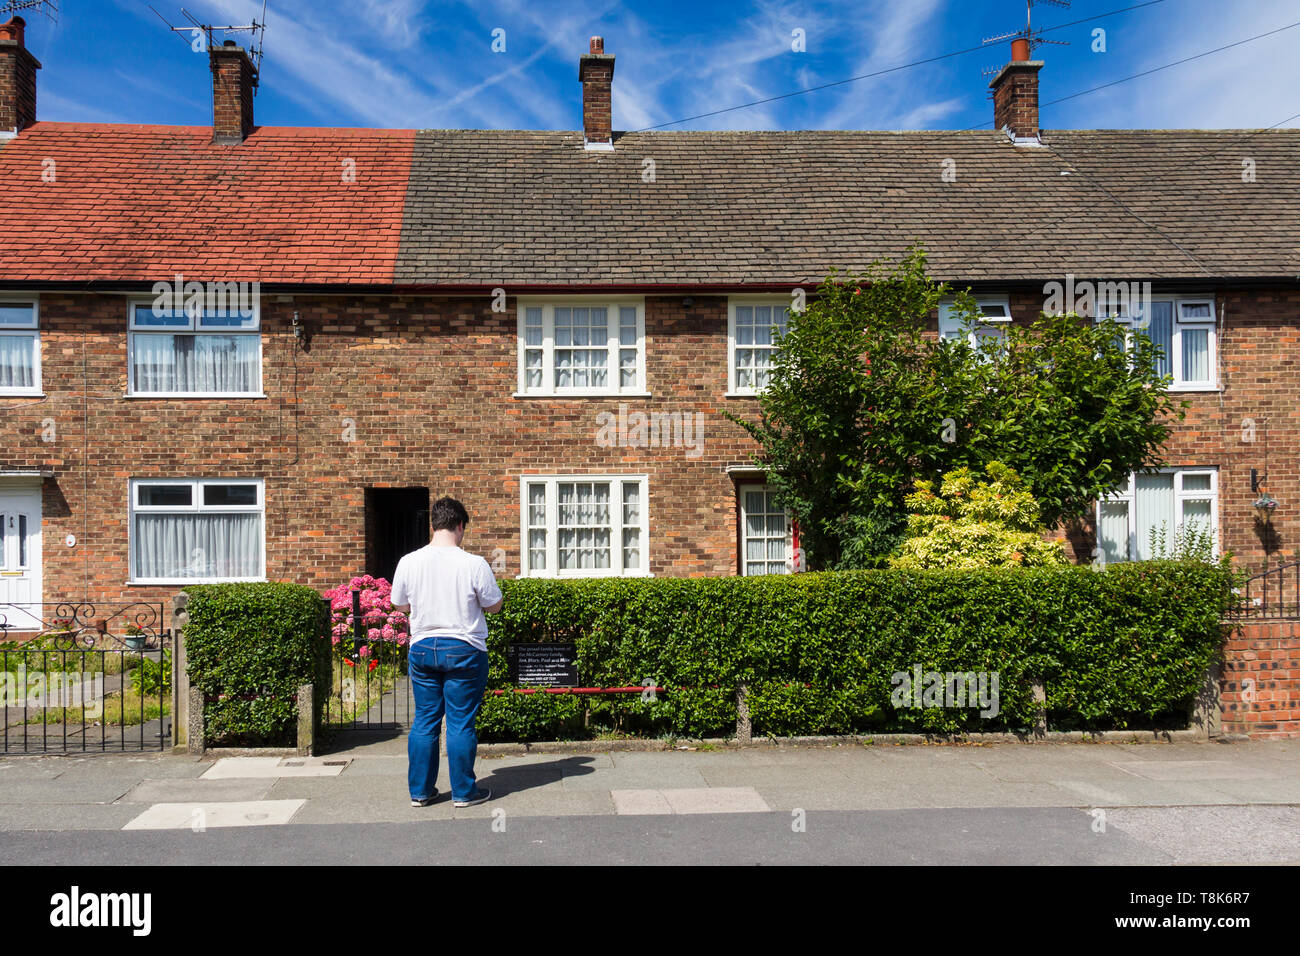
column 447, row 513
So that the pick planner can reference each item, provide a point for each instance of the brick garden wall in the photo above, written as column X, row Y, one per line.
column 1260, row 688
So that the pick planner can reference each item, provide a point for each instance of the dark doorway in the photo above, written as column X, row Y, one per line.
column 397, row 523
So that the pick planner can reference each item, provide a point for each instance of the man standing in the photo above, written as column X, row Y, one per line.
column 445, row 592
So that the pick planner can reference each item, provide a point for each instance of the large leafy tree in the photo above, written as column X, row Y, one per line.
column 862, row 403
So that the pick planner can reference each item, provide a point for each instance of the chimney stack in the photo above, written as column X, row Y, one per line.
column 1015, row 93
column 596, row 72
column 17, row 79
column 233, row 79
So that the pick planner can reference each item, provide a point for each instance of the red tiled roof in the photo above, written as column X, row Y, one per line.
column 147, row 202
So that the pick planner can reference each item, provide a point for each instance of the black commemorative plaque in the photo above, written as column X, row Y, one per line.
column 543, row 665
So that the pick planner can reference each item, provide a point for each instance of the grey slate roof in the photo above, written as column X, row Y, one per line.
column 512, row 207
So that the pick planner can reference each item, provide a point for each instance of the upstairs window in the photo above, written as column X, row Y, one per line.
column 986, row 334
column 20, row 347
column 1184, row 330
column 754, row 329
column 179, row 354
column 581, row 348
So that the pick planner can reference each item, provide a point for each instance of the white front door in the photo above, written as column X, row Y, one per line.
column 20, row 558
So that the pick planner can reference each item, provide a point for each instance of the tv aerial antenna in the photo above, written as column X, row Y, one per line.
column 48, row 7
column 1034, row 38
column 206, row 32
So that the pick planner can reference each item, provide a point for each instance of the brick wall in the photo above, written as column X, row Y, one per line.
column 428, row 384
column 1260, row 689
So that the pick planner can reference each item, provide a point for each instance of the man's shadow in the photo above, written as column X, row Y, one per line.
column 522, row 777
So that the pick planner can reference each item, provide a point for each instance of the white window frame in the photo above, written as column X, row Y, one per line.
column 1210, row 324
column 1128, row 495
column 616, row 569
column 548, row 305
column 32, row 331
column 195, row 507
column 788, row 563
column 191, row 329
column 952, row 328
column 733, row 390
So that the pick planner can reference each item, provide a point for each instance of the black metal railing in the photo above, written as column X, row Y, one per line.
column 1270, row 595
column 80, row 676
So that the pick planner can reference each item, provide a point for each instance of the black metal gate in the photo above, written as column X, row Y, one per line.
column 83, row 677
column 371, row 687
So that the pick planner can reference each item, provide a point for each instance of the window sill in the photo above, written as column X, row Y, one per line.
column 22, row 395
column 582, row 394
column 543, row 576
column 742, row 394
column 1193, row 388
column 194, row 395
column 181, row 582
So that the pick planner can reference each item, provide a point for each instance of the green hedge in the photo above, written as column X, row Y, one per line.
column 1118, row 648
column 248, row 648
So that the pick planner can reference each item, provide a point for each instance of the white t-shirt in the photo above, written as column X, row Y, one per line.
column 447, row 589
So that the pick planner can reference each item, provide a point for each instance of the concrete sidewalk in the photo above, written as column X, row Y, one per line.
column 111, row 792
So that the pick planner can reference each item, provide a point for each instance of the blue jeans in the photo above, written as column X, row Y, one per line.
column 447, row 676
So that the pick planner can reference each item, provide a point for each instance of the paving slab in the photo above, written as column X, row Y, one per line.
column 56, row 791
column 254, row 767
column 640, row 802
column 192, row 791
column 74, row 816
column 1193, row 770
column 207, row 816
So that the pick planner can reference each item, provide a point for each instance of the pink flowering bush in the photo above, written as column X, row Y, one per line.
column 381, row 622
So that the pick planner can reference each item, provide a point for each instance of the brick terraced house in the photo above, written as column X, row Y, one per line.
column 551, row 325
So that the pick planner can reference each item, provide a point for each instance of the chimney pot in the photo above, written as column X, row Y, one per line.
column 17, row 78
column 1020, row 49
column 13, row 30
column 597, row 44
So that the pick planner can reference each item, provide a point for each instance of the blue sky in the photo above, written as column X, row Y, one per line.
column 410, row 64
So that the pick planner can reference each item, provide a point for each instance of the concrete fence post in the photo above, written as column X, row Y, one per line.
column 1039, row 691
column 180, row 675
column 196, row 743
column 744, row 727
column 1207, row 708
column 306, row 720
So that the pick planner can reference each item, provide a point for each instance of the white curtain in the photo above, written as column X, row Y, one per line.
column 195, row 363
column 1114, row 530
column 198, row 546
column 1161, row 331
column 17, row 368
column 1154, row 498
